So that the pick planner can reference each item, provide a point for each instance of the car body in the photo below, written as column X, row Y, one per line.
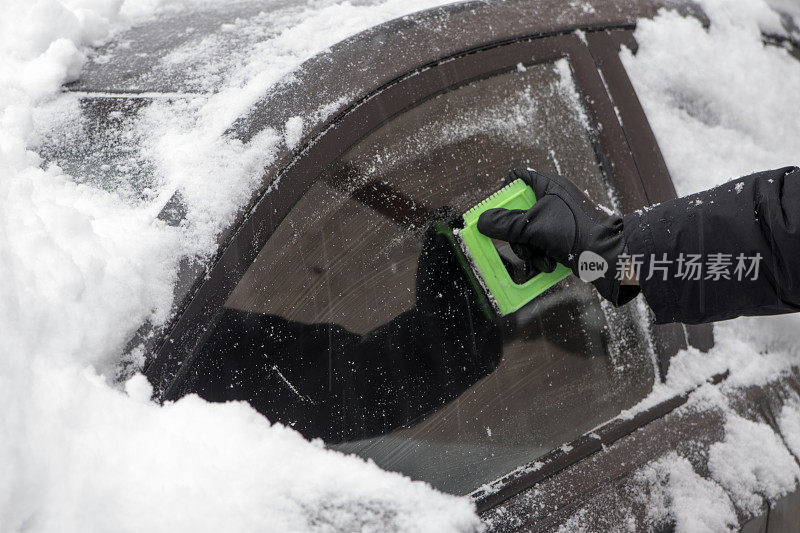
column 571, row 368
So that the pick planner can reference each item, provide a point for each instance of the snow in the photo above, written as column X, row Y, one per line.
column 719, row 101
column 85, row 262
column 208, row 469
column 752, row 463
column 293, row 132
column 789, row 423
column 567, row 88
column 676, row 494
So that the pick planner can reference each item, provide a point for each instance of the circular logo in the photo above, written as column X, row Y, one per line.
column 591, row 266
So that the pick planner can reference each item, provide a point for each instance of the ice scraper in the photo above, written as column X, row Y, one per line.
column 504, row 294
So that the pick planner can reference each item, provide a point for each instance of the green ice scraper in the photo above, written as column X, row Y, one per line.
column 505, row 295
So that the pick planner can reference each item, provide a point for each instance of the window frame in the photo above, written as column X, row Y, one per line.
column 656, row 182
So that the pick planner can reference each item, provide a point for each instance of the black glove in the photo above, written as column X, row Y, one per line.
column 563, row 224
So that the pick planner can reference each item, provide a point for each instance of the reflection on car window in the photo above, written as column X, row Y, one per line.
column 356, row 324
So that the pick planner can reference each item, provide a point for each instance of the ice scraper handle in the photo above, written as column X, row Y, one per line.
column 566, row 226
column 505, row 294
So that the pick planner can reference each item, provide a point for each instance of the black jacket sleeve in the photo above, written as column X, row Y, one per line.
column 747, row 236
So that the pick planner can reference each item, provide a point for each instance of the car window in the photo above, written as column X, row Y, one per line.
column 355, row 324
column 97, row 141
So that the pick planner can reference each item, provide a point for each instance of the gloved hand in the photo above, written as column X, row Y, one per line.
column 563, row 224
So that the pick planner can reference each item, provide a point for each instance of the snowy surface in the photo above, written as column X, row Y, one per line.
column 675, row 492
column 84, row 262
column 752, row 463
column 721, row 103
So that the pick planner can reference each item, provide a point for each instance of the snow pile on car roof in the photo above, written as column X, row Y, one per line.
column 83, row 266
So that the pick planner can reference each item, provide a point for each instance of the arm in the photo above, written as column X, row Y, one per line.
column 755, row 219
column 749, row 228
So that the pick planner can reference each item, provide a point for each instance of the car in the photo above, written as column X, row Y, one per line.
column 536, row 416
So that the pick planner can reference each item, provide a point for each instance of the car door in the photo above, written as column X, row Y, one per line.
column 341, row 267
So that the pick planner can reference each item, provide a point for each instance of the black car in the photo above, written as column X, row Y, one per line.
column 318, row 308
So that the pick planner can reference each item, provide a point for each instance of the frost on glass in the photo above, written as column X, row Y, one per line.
column 353, row 325
column 98, row 142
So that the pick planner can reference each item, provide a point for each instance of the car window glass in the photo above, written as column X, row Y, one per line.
column 97, row 141
column 354, row 323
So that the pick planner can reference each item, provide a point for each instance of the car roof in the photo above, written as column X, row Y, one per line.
column 166, row 54
column 182, row 51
